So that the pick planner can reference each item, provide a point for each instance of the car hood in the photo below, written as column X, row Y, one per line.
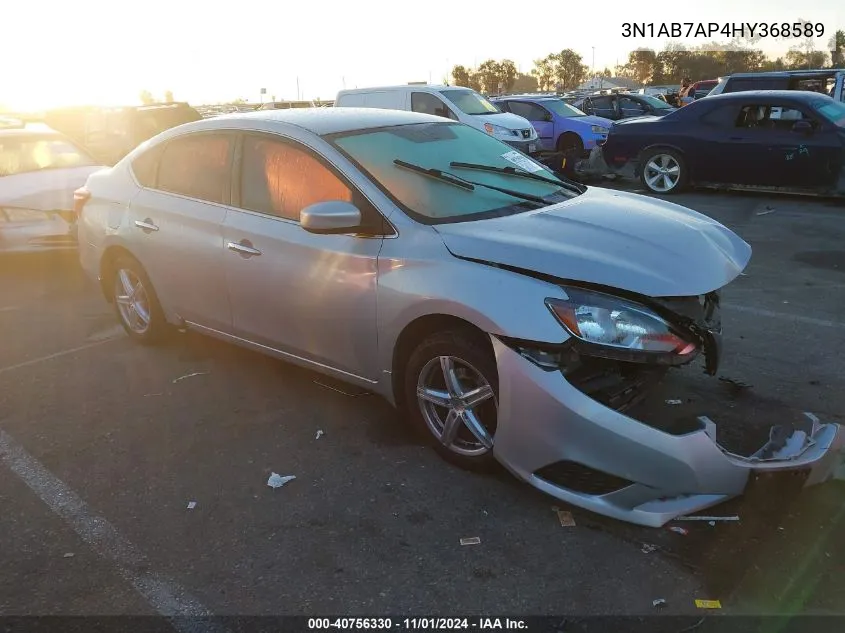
column 46, row 190
column 616, row 239
column 507, row 120
column 592, row 119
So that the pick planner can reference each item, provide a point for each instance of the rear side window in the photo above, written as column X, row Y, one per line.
column 530, row 111
column 281, row 179
column 197, row 166
column 145, row 166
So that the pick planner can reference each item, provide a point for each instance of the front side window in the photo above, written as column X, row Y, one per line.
column 470, row 102
column 427, row 103
column 197, row 166
column 561, row 108
column 281, row 179
column 23, row 154
column 436, row 146
column 833, row 111
column 631, row 106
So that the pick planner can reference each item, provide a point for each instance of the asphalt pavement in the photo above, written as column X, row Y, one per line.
column 104, row 444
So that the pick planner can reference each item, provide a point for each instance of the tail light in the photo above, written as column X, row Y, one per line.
column 80, row 197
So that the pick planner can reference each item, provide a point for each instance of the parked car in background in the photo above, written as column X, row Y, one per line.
column 623, row 106
column 111, row 133
column 451, row 102
column 287, row 105
column 560, row 126
column 39, row 171
column 828, row 81
column 703, row 88
column 777, row 139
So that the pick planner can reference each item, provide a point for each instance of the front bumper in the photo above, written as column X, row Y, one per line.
column 526, row 146
column 657, row 476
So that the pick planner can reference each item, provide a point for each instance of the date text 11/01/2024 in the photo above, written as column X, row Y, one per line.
column 785, row 30
column 431, row 624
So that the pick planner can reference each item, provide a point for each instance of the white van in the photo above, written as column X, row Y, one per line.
column 453, row 102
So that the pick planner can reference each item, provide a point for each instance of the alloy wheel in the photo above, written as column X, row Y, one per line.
column 458, row 405
column 132, row 301
column 662, row 173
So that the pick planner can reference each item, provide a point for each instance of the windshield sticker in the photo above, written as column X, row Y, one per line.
column 523, row 162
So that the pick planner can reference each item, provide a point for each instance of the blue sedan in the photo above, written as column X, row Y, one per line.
column 560, row 126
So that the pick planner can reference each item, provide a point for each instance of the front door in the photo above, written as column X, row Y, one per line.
column 307, row 295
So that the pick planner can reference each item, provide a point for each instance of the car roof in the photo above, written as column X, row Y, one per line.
column 407, row 87
column 786, row 73
column 744, row 95
column 320, row 121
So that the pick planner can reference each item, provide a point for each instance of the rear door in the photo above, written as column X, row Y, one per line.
column 603, row 106
column 175, row 224
column 540, row 118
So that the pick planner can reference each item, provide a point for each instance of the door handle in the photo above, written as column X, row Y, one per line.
column 244, row 248
column 146, row 225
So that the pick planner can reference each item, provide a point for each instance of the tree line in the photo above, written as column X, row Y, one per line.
column 566, row 70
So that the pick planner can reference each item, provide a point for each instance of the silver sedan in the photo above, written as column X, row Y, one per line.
column 512, row 316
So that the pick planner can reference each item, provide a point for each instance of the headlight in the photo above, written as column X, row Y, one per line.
column 498, row 130
column 618, row 323
column 597, row 129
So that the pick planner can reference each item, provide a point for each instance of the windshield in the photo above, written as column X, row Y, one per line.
column 833, row 111
column 25, row 154
column 470, row 102
column 436, row 146
column 561, row 108
column 656, row 103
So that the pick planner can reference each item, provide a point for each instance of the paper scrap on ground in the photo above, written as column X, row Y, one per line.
column 565, row 518
column 319, row 434
column 733, row 518
column 472, row 540
column 523, row 162
column 69, row 555
column 277, row 481
column 674, row 402
column 196, row 373
column 192, row 505
column 659, row 602
column 708, row 604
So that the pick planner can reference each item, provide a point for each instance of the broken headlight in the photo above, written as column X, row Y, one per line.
column 621, row 324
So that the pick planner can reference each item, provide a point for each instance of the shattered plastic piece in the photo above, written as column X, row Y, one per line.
column 659, row 602
column 673, row 402
column 733, row 518
column 277, row 481
column 319, row 434
column 191, row 375
column 565, row 518
column 471, row 540
column 679, row 530
column 708, row 604
column 648, row 548
column 192, row 505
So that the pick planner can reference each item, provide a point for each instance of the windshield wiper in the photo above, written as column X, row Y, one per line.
column 513, row 171
column 468, row 185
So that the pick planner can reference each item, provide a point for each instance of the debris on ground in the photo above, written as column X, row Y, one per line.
column 659, row 602
column 277, row 481
column 767, row 211
column 648, row 548
column 708, row 604
column 339, row 390
column 674, row 402
column 192, row 505
column 471, row 540
column 319, row 434
column 69, row 555
column 565, row 518
column 150, row 395
column 738, row 385
column 708, row 519
column 679, row 530
column 191, row 375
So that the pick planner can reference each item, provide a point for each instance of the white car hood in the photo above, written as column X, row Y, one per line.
column 611, row 238
column 507, row 120
column 46, row 190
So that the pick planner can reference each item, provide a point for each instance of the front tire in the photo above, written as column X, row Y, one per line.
column 135, row 302
column 570, row 144
column 451, row 396
column 664, row 171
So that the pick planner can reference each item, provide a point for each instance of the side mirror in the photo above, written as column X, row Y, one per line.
column 802, row 127
column 330, row 217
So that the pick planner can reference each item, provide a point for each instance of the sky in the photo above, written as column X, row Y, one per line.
column 105, row 52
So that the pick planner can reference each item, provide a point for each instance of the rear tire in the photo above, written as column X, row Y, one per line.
column 135, row 302
column 664, row 171
column 456, row 415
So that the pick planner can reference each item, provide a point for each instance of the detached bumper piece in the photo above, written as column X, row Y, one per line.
column 567, row 435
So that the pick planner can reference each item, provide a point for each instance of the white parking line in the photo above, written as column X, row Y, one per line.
column 73, row 350
column 785, row 316
column 166, row 597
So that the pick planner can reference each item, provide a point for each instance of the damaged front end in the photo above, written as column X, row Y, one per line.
column 563, row 424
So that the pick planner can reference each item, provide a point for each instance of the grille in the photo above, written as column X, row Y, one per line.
column 580, row 478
